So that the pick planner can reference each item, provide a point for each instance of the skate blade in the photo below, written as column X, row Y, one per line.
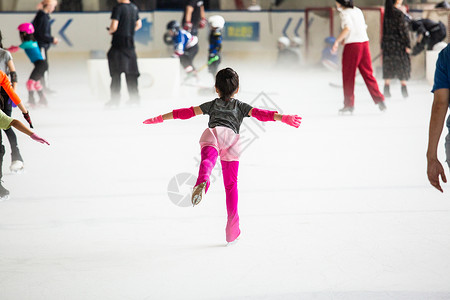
column 229, row 244
column 4, row 198
column 198, row 193
column 19, row 171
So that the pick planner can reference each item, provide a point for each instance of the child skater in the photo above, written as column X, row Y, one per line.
column 222, row 138
column 7, row 66
column 33, row 52
column 6, row 122
column 215, row 43
column 185, row 46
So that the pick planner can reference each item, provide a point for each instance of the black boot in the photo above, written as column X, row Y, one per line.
column 4, row 193
column 404, row 91
column 31, row 101
column 42, row 98
column 387, row 91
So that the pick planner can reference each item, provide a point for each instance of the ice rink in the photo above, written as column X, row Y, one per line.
column 339, row 208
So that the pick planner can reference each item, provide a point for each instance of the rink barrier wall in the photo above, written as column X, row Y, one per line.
column 86, row 32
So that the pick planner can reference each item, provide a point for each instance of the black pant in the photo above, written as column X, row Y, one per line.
column 188, row 57
column 15, row 153
column 132, row 84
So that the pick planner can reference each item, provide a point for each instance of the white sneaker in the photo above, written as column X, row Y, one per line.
column 16, row 166
column 198, row 193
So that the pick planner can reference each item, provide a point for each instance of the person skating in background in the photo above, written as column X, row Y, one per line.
column 286, row 57
column 296, row 43
column 226, row 115
column 429, row 33
column 31, row 48
column 122, row 57
column 8, row 68
column 185, row 46
column 6, row 122
column 329, row 59
column 216, row 24
column 194, row 16
column 43, row 33
column 356, row 55
column 396, row 47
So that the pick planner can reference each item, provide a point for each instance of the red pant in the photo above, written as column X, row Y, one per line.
column 357, row 56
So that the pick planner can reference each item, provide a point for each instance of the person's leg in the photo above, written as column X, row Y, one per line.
column 350, row 60
column 3, row 192
column 230, row 174
column 15, row 152
column 365, row 68
column 115, row 88
column 208, row 161
column 132, row 84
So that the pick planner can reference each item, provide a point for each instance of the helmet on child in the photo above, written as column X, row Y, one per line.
column 26, row 27
column 284, row 40
column 330, row 40
column 216, row 21
column 173, row 25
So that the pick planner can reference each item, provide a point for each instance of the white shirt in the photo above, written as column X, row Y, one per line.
column 353, row 19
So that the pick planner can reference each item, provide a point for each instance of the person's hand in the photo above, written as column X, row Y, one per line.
column 335, row 47
column 55, row 41
column 408, row 50
column 187, row 26
column 292, row 120
column 27, row 117
column 37, row 138
column 203, row 23
column 154, row 120
column 13, row 49
column 434, row 169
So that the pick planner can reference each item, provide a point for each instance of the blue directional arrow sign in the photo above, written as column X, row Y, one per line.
column 144, row 34
column 297, row 27
column 63, row 35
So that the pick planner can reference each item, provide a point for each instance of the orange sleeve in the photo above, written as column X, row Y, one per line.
column 6, row 85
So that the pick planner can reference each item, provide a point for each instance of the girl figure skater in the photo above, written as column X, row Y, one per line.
column 7, row 66
column 356, row 55
column 31, row 48
column 222, row 138
column 6, row 122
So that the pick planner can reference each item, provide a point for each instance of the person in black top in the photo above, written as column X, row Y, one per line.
column 122, row 54
column 429, row 34
column 226, row 115
column 194, row 16
column 43, row 34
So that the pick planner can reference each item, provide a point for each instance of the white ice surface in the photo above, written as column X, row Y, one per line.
column 338, row 209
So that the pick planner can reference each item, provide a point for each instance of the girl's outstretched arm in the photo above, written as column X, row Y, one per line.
column 182, row 113
column 267, row 115
column 21, row 127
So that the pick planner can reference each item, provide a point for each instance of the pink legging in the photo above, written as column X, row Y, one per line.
column 230, row 172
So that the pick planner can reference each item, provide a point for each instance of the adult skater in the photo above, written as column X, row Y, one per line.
column 6, row 122
column 194, row 16
column 31, row 48
column 396, row 47
column 356, row 55
column 222, row 138
column 429, row 33
column 441, row 90
column 43, row 34
column 7, row 66
column 185, row 46
column 122, row 57
column 216, row 24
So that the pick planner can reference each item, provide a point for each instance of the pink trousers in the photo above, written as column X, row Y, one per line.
column 209, row 153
